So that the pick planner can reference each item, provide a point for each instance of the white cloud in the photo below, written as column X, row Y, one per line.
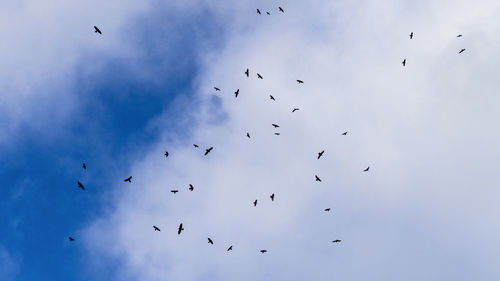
column 429, row 132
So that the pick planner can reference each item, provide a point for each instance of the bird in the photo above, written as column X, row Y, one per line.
column 344, row 133
column 272, row 197
column 174, row 191
column 336, row 241
column 71, row 239
column 411, row 35
column 367, row 169
column 207, row 151
column 248, row 135
column 327, row 210
column 271, row 97
column 404, row 62
column 80, row 185
column 129, row 179
column 247, row 72
column 255, row 202
column 281, row 9
column 84, row 166
column 259, row 76
column 195, row 145
column 461, row 51
column 210, row 241
column 236, row 93
column 300, row 81
column 230, row 248
column 320, row 154
column 295, row 109
column 180, row 229
column 166, row 153
column 263, row 251
column 97, row 30
column 191, row 187
column 216, row 89
column 275, row 125
column 258, row 11
column 317, row 178
column 156, row 228
column 277, row 134
column 268, row 13
column 459, row 35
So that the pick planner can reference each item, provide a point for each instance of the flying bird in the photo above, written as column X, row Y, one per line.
column 156, row 228
column 129, row 179
column 180, row 229
column 71, row 239
column 317, row 178
column 248, row 135
column 336, row 241
column 268, row 13
column 247, row 72
column 344, row 133
column 271, row 97
column 459, row 35
column 97, row 30
column 166, row 153
column 295, row 109
column 230, row 248
column 404, row 62
column 174, row 191
column 207, row 151
column 320, row 154
column 255, row 202
column 367, row 169
column 84, row 166
column 277, row 134
column 216, row 89
column 195, row 145
column 300, row 81
column 461, row 51
column 272, row 197
column 259, row 76
column 281, row 9
column 327, row 210
column 80, row 185
column 275, row 125
column 210, row 241
column 263, row 251
column 191, row 187
column 258, row 11
column 236, row 93
column 411, row 35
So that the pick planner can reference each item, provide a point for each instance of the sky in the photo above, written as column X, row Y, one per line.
column 426, row 210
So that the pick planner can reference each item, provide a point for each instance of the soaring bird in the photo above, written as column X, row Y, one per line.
column 236, row 93
column 230, row 248
column 327, row 210
column 272, row 197
column 275, row 125
column 300, row 81
column 84, row 166
column 320, row 154
column 80, row 185
column 166, row 153
column 404, row 62
column 281, row 9
column 259, row 76
column 277, row 134
column 180, row 229
column 268, row 13
column 344, row 133
column 317, row 178
column 210, row 241
column 271, row 97
column 248, row 135
column 247, row 72
column 367, row 169
column 156, row 228
column 195, row 145
column 459, row 35
column 216, row 89
column 71, row 239
column 263, row 251
column 191, row 187
column 129, row 179
column 295, row 109
column 255, row 202
column 174, row 191
column 207, row 151
column 411, row 35
column 461, row 51
column 97, row 30
column 336, row 241
column 258, row 11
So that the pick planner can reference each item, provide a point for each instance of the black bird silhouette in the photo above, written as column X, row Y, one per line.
column 248, row 135
column 459, row 35
column 263, row 251
column 277, row 134
column 84, row 166
column 281, row 9
column 236, row 93
column 97, row 30
column 166, row 153
column 295, row 109
column 80, row 185
column 156, row 228
column 336, row 241
column 268, row 13
column 367, row 169
column 300, row 81
column 210, row 241
column 259, row 76
column 317, row 178
column 129, row 179
column 320, row 154
column 404, row 62
column 247, row 73
column 71, row 239
column 275, row 125
column 195, row 145
column 461, row 51
column 191, row 187
column 255, row 202
column 230, row 248
column 180, row 229
column 411, row 35
column 216, row 89
column 174, row 191
column 344, row 133
column 271, row 97
column 258, row 11
column 272, row 197
column 327, row 210
column 207, row 151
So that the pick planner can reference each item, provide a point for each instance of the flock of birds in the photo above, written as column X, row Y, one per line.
column 208, row 150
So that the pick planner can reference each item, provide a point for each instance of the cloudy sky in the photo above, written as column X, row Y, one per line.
column 426, row 210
